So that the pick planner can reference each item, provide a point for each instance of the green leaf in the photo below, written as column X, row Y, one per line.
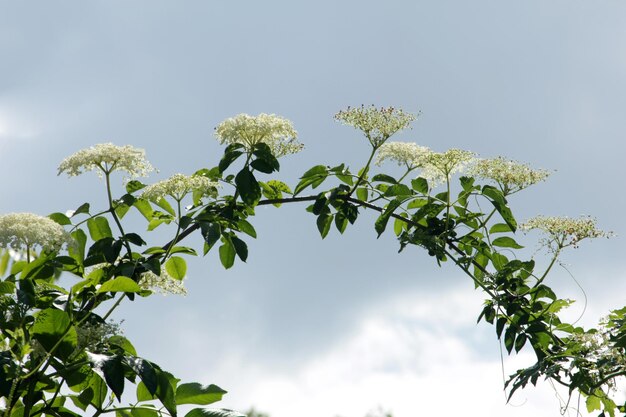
column 399, row 225
column 60, row 218
column 165, row 205
column 7, row 287
column 176, row 267
column 213, row 412
column 240, row 248
column 398, row 189
column 144, row 207
column 341, row 222
column 231, row 153
column 4, row 261
column 383, row 219
column 54, row 326
column 500, row 228
column 99, row 228
column 248, row 187
column 384, row 178
column 111, row 368
column 211, row 233
column 324, row 221
column 144, row 412
column 227, row 253
column 194, row 393
column 134, row 185
column 593, row 403
column 467, row 183
column 247, row 228
column 520, row 342
column 119, row 284
column 313, row 177
column 509, row 338
column 499, row 202
column 506, row 242
column 123, row 344
column 145, row 370
column 82, row 209
column 420, row 185
column 362, row 194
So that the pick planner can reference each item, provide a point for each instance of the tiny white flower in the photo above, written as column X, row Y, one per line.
column 106, row 158
column 275, row 131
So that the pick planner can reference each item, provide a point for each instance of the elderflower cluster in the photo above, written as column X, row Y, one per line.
column 565, row 231
column 410, row 155
column 275, row 131
column 378, row 124
column 178, row 186
column 164, row 283
column 106, row 158
column 439, row 166
column 21, row 231
column 599, row 354
column 511, row 176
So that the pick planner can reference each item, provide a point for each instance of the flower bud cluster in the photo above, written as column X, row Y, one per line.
column 106, row 158
column 406, row 154
column 21, row 231
column 565, row 231
column 510, row 175
column 164, row 283
column 439, row 166
column 178, row 186
column 378, row 124
column 275, row 131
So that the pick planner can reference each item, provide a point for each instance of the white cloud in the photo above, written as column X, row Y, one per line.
column 412, row 356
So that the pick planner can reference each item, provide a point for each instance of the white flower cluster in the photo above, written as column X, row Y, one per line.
column 439, row 166
column 21, row 231
column 106, row 158
column 406, row 154
column 378, row 124
column 164, row 283
column 565, row 231
column 178, row 186
column 510, row 175
column 275, row 131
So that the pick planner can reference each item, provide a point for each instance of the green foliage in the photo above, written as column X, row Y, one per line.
column 59, row 353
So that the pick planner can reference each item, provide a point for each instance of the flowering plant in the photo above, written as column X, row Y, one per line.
column 58, row 347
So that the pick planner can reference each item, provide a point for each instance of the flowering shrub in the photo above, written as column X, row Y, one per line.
column 59, row 352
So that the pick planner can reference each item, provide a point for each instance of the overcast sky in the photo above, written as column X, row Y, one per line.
column 336, row 327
